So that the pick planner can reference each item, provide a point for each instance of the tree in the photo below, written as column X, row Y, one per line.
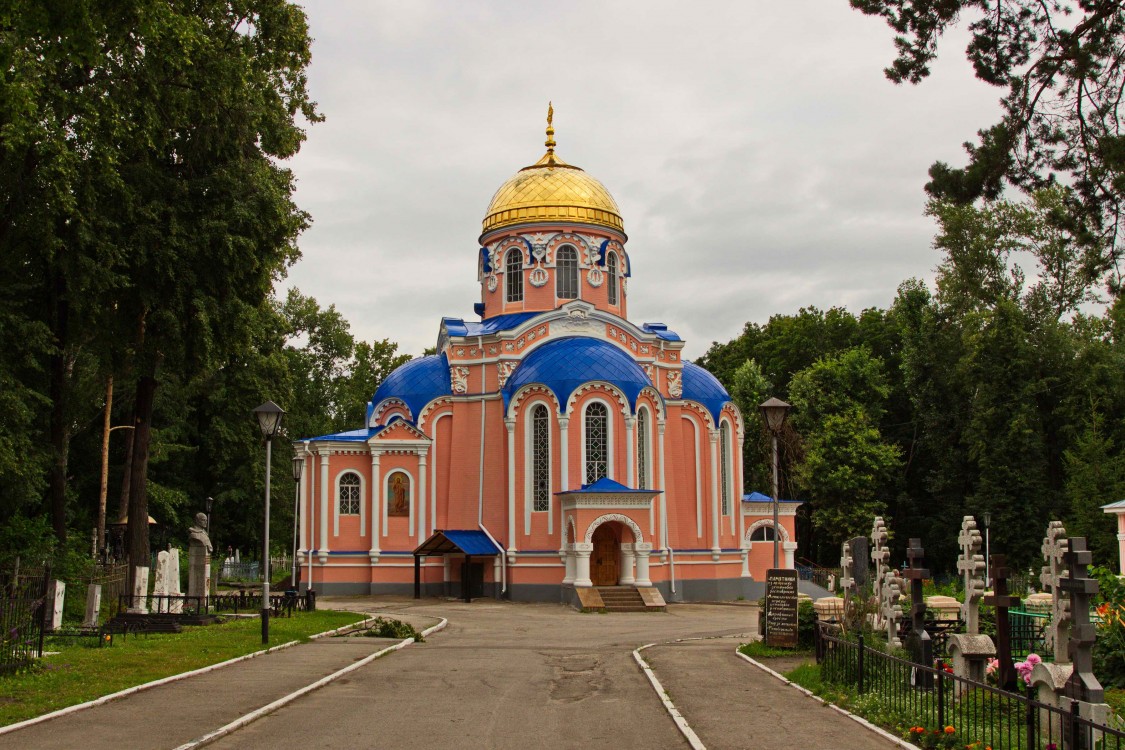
column 1063, row 73
column 1095, row 476
column 142, row 155
column 748, row 389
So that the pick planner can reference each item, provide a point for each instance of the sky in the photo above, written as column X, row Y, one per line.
column 761, row 160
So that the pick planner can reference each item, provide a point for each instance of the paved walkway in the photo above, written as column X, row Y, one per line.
column 501, row 675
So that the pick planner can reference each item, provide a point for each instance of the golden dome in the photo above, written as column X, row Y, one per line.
column 552, row 190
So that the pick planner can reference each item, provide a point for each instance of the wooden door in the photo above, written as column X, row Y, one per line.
column 605, row 561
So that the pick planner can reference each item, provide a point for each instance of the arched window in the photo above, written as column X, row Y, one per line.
column 611, row 280
column 540, row 459
column 597, row 442
column 762, row 534
column 349, row 494
column 398, row 494
column 513, row 275
column 566, row 273
column 724, row 465
column 642, row 449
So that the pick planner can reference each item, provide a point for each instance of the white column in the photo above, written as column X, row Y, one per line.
column 745, row 561
column 630, row 469
column 642, row 550
column 510, row 426
column 627, row 576
column 715, row 548
column 582, row 552
column 1121, row 552
column 376, row 484
column 788, row 549
column 422, row 497
column 302, row 498
column 568, row 576
column 564, row 468
column 664, row 492
column 325, row 498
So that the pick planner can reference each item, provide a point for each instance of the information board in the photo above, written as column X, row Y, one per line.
column 781, row 608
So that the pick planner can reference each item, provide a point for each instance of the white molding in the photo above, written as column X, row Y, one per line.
column 607, row 501
column 610, row 518
column 336, row 502
column 386, row 486
column 528, row 463
column 609, row 435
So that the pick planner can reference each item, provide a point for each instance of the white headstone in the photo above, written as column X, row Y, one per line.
column 173, row 581
column 881, row 557
column 139, row 596
column 889, row 607
column 847, row 577
column 93, row 605
column 56, row 594
column 971, row 566
column 160, row 585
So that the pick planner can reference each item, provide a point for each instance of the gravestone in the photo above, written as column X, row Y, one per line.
column 138, row 599
column 970, row 650
column 1055, row 546
column 859, row 552
column 93, row 605
column 56, row 595
column 847, row 565
column 176, row 604
column 880, row 558
column 160, row 584
column 918, row 643
column 1002, row 601
column 1082, row 685
column 890, row 610
column 781, row 607
column 199, row 561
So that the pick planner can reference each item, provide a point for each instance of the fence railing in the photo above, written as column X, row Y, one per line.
column 23, row 612
column 810, row 571
column 932, row 698
column 171, row 607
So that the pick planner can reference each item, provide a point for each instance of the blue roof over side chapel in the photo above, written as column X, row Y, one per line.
column 705, row 388
column 418, row 382
column 567, row 363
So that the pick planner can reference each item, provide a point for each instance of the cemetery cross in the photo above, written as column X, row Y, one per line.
column 921, row 647
column 971, row 566
column 1055, row 547
column 1002, row 601
column 880, row 555
column 1082, row 685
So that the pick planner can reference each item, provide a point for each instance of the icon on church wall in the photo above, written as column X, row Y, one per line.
column 399, row 495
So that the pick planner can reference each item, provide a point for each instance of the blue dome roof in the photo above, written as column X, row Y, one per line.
column 705, row 388
column 418, row 382
column 566, row 364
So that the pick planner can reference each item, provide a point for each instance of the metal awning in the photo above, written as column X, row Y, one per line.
column 458, row 542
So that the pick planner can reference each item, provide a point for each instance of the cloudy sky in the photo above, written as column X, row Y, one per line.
column 761, row 160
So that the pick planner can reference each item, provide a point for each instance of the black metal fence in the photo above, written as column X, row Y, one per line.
column 281, row 604
column 23, row 611
column 925, row 699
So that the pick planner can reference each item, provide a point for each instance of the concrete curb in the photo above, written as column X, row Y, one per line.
column 271, row 707
column 681, row 723
column 165, row 680
column 858, row 719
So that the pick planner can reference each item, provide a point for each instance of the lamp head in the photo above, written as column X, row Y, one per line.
column 774, row 411
column 298, row 465
column 269, row 419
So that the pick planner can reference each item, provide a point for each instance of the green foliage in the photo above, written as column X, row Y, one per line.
column 1109, row 648
column 386, row 627
column 1095, row 476
column 806, row 625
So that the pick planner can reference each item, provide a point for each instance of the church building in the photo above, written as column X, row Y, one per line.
column 550, row 446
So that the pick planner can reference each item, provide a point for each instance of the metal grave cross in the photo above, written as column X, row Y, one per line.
column 1002, row 601
column 971, row 566
column 881, row 556
column 1082, row 685
column 889, row 607
column 1055, row 547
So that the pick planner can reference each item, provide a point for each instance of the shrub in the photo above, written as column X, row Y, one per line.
column 387, row 628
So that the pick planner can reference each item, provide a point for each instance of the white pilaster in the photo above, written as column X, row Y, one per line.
column 582, row 552
column 642, row 550
column 664, row 493
column 716, row 549
column 376, row 484
column 325, row 498
column 422, row 496
column 568, row 560
column 789, row 549
column 630, row 469
column 564, row 468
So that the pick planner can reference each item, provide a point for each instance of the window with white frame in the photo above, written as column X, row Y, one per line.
column 540, row 459
column 349, row 494
column 724, row 465
column 611, row 281
column 566, row 273
column 513, row 275
column 597, row 441
column 642, row 449
column 762, row 534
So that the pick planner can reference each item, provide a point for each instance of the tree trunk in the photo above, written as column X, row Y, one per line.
column 126, row 473
column 59, row 425
column 103, row 486
column 137, row 530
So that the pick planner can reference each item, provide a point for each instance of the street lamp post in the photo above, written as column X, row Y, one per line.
column 774, row 410
column 298, row 465
column 269, row 419
column 987, row 572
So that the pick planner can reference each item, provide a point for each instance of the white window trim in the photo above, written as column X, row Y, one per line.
column 609, row 436
column 644, row 426
column 507, row 288
column 387, row 497
column 529, row 466
column 726, row 493
column 577, row 275
column 698, row 475
column 613, row 281
column 336, row 502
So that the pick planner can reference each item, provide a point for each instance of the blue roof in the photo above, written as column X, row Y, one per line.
column 705, row 388
column 661, row 331
column 458, row 327
column 758, row 497
column 418, row 382
column 605, row 484
column 352, row 436
column 468, row 541
column 565, row 364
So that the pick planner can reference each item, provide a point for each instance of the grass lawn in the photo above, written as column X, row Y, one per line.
column 81, row 672
column 759, row 650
